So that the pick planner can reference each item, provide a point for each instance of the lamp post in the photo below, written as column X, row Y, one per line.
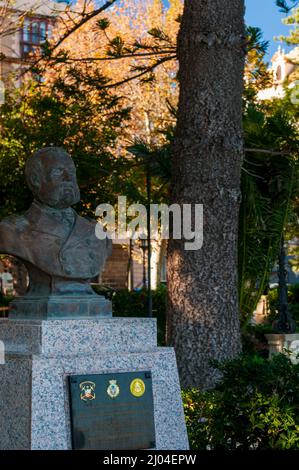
column 149, row 248
column 143, row 246
column 144, row 243
column 131, row 268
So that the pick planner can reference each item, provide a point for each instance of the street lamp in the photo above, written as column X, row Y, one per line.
column 143, row 246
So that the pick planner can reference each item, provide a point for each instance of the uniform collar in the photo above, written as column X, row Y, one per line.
column 58, row 214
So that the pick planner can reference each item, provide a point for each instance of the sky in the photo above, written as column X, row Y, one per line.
column 266, row 15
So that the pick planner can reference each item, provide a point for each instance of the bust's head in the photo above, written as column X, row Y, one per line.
column 51, row 176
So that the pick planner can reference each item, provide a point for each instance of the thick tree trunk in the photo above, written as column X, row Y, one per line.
column 203, row 315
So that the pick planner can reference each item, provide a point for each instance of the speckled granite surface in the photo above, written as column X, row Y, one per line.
column 15, row 403
column 68, row 337
column 34, row 398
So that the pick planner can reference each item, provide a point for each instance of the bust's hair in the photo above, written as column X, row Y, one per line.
column 34, row 164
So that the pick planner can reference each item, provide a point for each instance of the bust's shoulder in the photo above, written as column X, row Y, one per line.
column 14, row 222
column 87, row 227
column 12, row 231
column 85, row 221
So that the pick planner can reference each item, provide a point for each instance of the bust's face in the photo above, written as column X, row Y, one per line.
column 57, row 182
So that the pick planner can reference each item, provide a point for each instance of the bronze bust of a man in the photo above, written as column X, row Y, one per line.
column 59, row 248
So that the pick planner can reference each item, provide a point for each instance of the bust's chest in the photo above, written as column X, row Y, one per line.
column 71, row 251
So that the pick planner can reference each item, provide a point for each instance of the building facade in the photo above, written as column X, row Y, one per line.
column 284, row 68
column 25, row 25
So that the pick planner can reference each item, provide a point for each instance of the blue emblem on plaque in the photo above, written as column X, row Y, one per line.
column 113, row 389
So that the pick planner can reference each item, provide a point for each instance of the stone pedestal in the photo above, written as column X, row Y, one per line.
column 60, row 307
column 41, row 354
column 284, row 343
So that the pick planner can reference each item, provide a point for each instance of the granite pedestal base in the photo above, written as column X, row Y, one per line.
column 41, row 354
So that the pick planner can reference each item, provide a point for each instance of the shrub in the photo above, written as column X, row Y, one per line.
column 4, row 302
column 134, row 304
column 254, row 341
column 254, row 406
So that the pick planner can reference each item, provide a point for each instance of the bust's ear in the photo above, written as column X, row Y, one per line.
column 35, row 180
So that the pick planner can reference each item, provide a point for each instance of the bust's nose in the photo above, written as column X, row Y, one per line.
column 66, row 176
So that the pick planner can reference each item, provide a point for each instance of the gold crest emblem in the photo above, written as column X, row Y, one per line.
column 137, row 387
column 88, row 391
column 113, row 389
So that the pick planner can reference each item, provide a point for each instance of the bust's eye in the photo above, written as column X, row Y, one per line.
column 56, row 173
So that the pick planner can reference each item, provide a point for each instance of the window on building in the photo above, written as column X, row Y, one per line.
column 34, row 32
column 279, row 73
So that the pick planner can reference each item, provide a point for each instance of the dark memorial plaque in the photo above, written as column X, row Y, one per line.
column 112, row 411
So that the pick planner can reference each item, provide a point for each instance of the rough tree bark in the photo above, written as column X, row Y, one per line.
column 203, row 316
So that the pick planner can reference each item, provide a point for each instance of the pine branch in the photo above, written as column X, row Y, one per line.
column 141, row 74
column 270, row 152
column 285, row 7
column 144, row 55
column 84, row 20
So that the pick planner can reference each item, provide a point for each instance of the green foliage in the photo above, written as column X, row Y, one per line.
column 73, row 112
column 269, row 188
column 255, row 40
column 293, row 38
column 103, row 23
column 134, row 304
column 290, row 112
column 293, row 303
column 285, row 6
column 5, row 300
column 269, row 176
column 255, row 405
column 257, row 76
column 290, row 7
column 116, row 47
column 159, row 34
column 254, row 341
column 158, row 161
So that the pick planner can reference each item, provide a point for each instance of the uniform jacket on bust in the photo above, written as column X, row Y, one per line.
column 57, row 241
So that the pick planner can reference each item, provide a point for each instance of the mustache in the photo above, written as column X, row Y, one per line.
column 69, row 187
column 70, row 192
